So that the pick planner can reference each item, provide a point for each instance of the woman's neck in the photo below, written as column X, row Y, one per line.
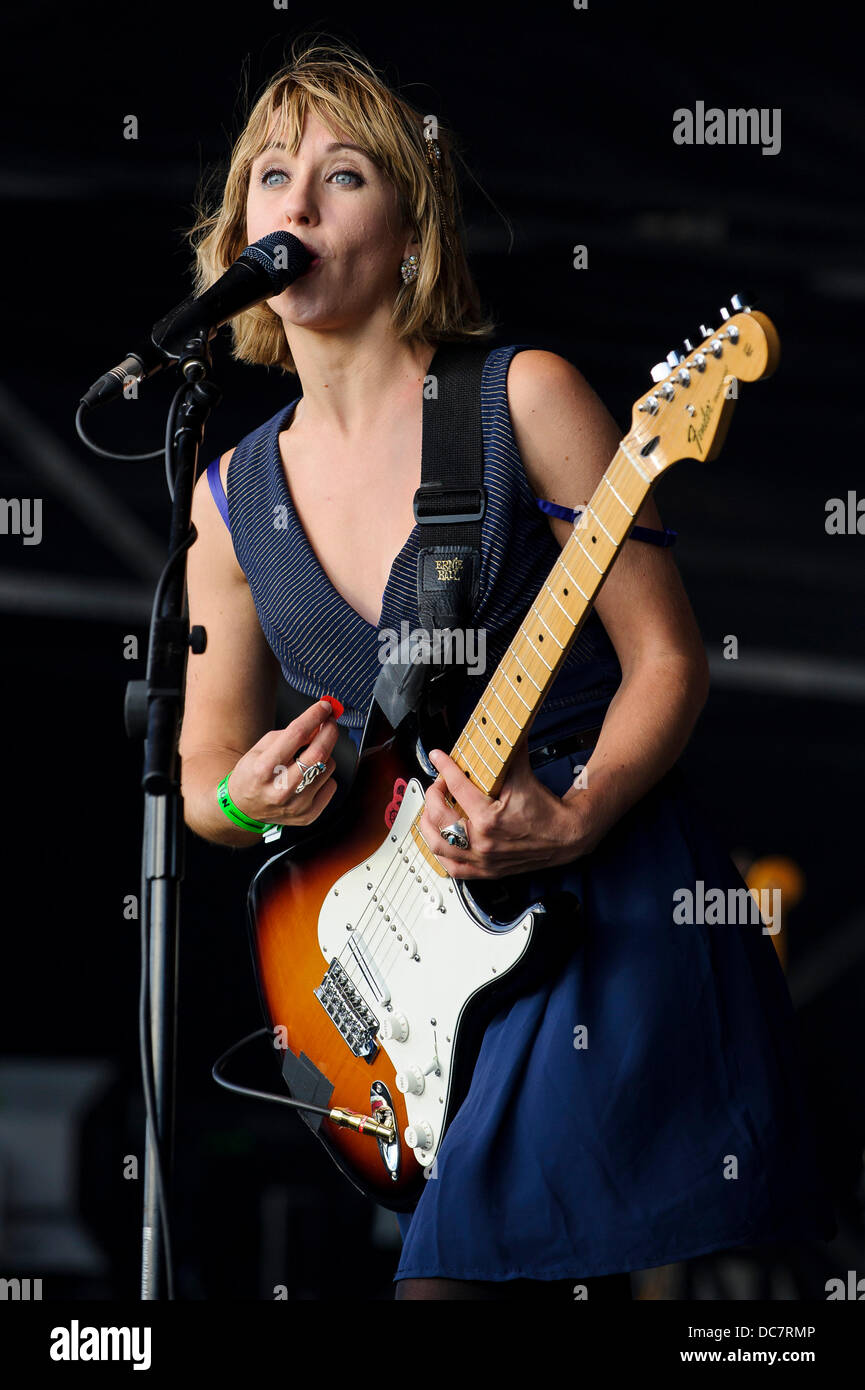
column 351, row 388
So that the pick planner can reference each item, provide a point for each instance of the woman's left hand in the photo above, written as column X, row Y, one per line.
column 526, row 827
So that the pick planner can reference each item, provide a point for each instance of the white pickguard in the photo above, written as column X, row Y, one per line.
column 413, row 952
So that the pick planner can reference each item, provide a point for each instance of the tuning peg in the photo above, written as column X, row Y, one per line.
column 674, row 358
column 743, row 302
column 688, row 345
column 705, row 331
column 659, row 371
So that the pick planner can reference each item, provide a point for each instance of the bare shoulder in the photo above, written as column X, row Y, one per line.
column 537, row 379
column 565, row 434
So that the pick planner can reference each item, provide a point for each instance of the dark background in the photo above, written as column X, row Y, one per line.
column 566, row 121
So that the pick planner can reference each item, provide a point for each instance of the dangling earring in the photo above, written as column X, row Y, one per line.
column 408, row 269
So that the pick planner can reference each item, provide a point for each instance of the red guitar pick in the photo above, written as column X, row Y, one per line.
column 393, row 806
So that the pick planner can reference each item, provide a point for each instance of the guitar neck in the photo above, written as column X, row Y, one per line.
column 516, row 691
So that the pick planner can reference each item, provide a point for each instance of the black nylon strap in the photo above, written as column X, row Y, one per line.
column 452, row 487
column 449, row 550
column 452, row 454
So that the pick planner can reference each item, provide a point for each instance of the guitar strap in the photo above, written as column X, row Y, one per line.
column 449, row 507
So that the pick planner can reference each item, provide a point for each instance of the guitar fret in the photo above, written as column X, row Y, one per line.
column 492, row 690
column 617, row 497
column 633, row 462
column 601, row 524
column 489, row 716
column 588, row 557
column 573, row 580
column 561, row 605
column 534, row 610
column 488, row 739
column 534, row 648
column 516, row 692
column 483, row 759
column 527, row 671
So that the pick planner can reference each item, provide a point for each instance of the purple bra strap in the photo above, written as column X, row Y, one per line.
column 218, row 490
column 638, row 533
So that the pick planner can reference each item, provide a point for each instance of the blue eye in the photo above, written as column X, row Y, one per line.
column 268, row 173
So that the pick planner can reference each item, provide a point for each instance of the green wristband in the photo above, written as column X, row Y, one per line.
column 235, row 814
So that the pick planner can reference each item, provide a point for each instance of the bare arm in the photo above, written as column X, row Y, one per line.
column 231, row 698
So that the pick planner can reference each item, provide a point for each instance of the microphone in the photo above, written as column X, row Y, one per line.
column 263, row 270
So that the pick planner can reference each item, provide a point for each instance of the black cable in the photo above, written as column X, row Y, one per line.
column 170, row 426
column 169, row 563
column 260, row 1095
column 107, row 453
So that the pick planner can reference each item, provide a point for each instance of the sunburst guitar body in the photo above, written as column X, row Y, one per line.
column 355, row 931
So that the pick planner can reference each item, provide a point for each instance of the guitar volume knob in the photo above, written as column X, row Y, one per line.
column 410, row 1082
column 419, row 1136
column 395, row 1027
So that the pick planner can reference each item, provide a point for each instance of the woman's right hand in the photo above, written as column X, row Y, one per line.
column 262, row 784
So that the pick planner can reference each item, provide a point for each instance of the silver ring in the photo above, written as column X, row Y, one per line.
column 309, row 774
column 455, row 835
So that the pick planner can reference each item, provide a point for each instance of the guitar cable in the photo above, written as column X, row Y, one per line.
column 338, row 1115
column 170, row 426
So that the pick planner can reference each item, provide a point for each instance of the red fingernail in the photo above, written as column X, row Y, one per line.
column 335, row 704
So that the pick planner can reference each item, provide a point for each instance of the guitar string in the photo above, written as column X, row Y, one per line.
column 395, row 863
column 408, row 872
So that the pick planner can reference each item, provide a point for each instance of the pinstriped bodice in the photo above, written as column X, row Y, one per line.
column 325, row 647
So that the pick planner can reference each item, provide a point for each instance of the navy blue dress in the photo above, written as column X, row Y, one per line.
column 643, row 1106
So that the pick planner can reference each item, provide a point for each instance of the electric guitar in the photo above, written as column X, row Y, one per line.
column 376, row 970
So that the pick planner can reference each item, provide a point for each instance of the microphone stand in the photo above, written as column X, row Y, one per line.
column 153, row 711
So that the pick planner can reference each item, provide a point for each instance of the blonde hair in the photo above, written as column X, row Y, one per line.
column 347, row 95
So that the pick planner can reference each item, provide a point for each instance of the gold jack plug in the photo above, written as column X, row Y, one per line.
column 364, row 1124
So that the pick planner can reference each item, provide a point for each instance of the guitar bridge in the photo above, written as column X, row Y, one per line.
column 342, row 1001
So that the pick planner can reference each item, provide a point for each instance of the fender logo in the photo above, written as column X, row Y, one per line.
column 393, row 806
column 696, row 432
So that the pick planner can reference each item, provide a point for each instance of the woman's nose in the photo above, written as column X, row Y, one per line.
column 299, row 205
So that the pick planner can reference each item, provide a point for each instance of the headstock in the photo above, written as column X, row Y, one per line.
column 687, row 413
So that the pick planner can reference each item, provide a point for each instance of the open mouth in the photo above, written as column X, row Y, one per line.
column 316, row 259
